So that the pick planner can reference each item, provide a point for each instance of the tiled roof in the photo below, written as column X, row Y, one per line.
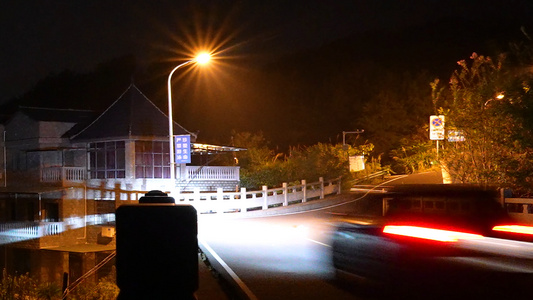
column 57, row 114
column 81, row 118
column 131, row 115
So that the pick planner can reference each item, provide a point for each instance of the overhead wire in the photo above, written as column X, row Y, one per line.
column 72, row 286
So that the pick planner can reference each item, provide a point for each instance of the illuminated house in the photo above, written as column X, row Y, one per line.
column 63, row 173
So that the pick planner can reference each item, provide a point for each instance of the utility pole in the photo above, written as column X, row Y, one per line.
column 344, row 133
column 345, row 147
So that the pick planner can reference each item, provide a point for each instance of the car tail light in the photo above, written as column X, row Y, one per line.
column 429, row 233
column 514, row 229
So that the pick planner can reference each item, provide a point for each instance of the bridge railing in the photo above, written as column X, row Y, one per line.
column 520, row 209
column 377, row 174
column 265, row 198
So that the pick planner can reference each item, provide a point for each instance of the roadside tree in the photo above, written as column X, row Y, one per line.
column 489, row 101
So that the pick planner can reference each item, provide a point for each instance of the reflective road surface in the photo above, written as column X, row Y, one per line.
column 288, row 256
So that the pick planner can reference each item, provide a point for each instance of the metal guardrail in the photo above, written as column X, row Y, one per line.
column 371, row 176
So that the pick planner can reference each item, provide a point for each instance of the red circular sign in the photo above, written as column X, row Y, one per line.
column 437, row 122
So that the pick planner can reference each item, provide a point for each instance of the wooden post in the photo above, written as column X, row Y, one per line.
column 65, row 282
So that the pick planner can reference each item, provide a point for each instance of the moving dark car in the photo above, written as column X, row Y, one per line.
column 433, row 237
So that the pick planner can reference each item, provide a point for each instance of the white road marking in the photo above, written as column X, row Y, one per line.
column 320, row 243
column 233, row 275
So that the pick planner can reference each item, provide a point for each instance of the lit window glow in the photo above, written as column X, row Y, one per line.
column 514, row 229
column 430, row 233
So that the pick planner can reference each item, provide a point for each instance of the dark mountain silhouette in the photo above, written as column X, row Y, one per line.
column 303, row 98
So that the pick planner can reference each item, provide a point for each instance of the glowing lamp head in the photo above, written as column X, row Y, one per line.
column 203, row 58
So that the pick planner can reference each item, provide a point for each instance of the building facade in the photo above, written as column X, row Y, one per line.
column 64, row 172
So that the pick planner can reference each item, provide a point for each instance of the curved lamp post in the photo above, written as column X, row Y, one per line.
column 200, row 59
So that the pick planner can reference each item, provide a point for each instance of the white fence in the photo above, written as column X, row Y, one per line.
column 31, row 229
column 20, row 231
column 39, row 229
column 218, row 201
column 244, row 200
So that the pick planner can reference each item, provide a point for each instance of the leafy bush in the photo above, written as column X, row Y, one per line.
column 262, row 166
column 15, row 287
column 105, row 289
column 49, row 291
column 414, row 156
column 18, row 287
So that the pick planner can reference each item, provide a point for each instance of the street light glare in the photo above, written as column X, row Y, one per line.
column 203, row 58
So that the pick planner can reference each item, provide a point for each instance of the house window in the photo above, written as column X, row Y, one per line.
column 107, row 160
column 51, row 212
column 152, row 159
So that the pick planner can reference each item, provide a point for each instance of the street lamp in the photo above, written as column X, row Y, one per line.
column 500, row 96
column 202, row 58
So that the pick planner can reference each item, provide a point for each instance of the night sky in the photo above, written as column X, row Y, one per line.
column 47, row 36
column 274, row 59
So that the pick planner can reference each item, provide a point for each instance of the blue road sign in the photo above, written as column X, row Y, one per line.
column 182, row 146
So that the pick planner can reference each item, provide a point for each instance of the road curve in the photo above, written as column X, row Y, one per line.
column 284, row 256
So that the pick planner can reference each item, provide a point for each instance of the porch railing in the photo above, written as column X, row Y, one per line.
column 59, row 174
column 211, row 173
column 75, row 174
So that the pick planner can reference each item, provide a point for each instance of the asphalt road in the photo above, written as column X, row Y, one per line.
column 279, row 257
column 286, row 256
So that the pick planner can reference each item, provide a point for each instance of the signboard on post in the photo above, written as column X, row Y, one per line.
column 182, row 146
column 456, row 136
column 357, row 163
column 436, row 127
